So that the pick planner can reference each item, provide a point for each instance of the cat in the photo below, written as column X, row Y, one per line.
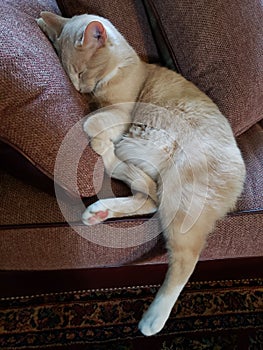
column 158, row 133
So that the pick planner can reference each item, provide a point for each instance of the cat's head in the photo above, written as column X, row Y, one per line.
column 89, row 47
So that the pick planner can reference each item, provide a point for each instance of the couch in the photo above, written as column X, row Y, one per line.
column 48, row 258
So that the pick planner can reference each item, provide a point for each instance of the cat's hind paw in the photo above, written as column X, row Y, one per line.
column 155, row 317
column 150, row 324
column 95, row 214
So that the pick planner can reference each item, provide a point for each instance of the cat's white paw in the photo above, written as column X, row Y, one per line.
column 156, row 316
column 100, row 147
column 152, row 322
column 92, row 127
column 95, row 214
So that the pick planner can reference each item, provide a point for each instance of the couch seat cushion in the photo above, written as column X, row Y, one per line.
column 35, row 236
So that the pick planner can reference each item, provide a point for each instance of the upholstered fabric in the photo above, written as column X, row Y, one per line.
column 24, row 204
column 128, row 16
column 251, row 146
column 60, row 247
column 21, row 197
column 218, row 45
column 34, row 235
column 38, row 103
column 36, row 114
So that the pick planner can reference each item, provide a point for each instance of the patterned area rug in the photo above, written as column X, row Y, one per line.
column 208, row 315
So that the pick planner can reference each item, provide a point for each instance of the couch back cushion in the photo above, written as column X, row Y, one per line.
column 38, row 103
column 218, row 45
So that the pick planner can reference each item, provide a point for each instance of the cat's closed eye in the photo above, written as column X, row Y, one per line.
column 82, row 73
column 74, row 71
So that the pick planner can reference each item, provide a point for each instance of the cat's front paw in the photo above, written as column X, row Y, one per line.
column 90, row 127
column 95, row 214
column 98, row 146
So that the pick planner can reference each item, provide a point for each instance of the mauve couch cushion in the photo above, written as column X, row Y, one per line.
column 251, row 146
column 38, row 103
column 217, row 45
column 44, row 241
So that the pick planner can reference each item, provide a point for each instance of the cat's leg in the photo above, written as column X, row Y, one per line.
column 183, row 252
column 187, row 219
column 129, row 173
column 102, row 141
column 184, row 248
column 105, row 209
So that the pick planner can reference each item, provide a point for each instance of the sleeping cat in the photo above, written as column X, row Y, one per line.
column 161, row 135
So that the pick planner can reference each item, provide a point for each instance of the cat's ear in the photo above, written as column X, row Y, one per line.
column 94, row 35
column 51, row 24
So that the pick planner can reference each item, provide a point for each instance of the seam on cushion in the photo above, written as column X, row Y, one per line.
column 254, row 211
column 20, row 151
column 61, row 6
column 37, row 166
column 151, row 10
column 248, row 126
column 64, row 224
column 113, row 289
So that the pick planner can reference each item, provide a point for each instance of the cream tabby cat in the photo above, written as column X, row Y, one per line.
column 179, row 145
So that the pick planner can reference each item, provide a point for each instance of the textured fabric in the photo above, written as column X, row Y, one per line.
column 128, row 16
column 235, row 236
column 56, row 246
column 51, row 248
column 219, row 46
column 251, row 146
column 38, row 104
column 22, row 204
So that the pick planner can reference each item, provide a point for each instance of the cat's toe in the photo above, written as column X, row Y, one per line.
column 94, row 215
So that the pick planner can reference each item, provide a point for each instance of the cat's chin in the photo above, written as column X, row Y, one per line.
column 86, row 90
